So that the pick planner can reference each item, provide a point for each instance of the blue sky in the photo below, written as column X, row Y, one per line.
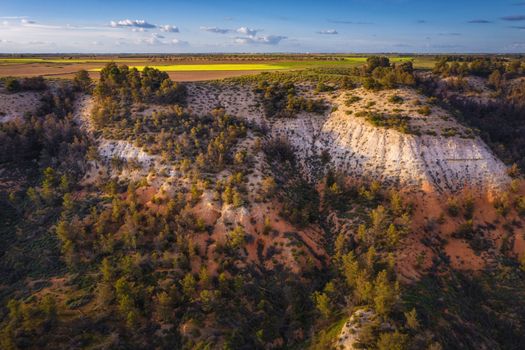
column 176, row 26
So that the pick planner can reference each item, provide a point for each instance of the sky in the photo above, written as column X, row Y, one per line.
column 207, row 26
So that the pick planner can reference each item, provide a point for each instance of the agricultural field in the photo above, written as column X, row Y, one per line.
column 212, row 67
column 188, row 68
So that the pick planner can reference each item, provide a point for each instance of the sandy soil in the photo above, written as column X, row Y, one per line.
column 415, row 257
column 13, row 106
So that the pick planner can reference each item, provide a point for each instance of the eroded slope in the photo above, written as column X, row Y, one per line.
column 422, row 146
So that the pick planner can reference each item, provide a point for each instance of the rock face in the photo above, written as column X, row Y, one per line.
column 441, row 155
column 359, row 149
column 124, row 150
column 448, row 164
column 349, row 337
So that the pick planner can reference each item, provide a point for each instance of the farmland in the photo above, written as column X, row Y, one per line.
column 187, row 67
column 212, row 67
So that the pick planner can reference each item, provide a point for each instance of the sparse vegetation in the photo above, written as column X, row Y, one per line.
column 281, row 101
column 230, row 237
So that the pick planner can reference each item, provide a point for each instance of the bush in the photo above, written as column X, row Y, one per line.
column 82, row 81
column 396, row 99
column 520, row 205
column 351, row 100
column 12, row 85
column 425, row 110
column 453, row 207
column 395, row 121
column 281, row 100
column 449, row 132
column 34, row 84
column 371, row 84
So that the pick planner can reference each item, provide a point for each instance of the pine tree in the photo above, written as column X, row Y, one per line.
column 411, row 319
column 363, row 287
column 64, row 184
column 49, row 308
column 392, row 341
column 350, row 269
column 323, row 304
column 227, row 195
column 339, row 247
column 48, row 185
column 396, row 203
column 188, row 285
column 106, row 270
column 237, row 199
column 385, row 294
column 237, row 237
column 68, row 203
column 392, row 235
column 362, row 233
column 164, row 307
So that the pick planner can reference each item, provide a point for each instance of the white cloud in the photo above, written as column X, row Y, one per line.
column 138, row 23
column 247, row 31
column 179, row 42
column 36, row 42
column 169, row 28
column 328, row 32
column 267, row 39
column 215, row 30
column 26, row 22
column 149, row 41
column 159, row 40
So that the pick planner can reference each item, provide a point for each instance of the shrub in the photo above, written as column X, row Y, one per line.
column 371, row 84
column 449, row 132
column 395, row 121
column 425, row 110
column 453, row 207
column 520, row 205
column 13, row 85
column 281, row 100
column 502, row 205
column 34, row 84
column 396, row 99
column 82, row 81
column 351, row 100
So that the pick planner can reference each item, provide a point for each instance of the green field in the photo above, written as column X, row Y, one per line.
column 211, row 67
column 346, row 62
column 57, row 66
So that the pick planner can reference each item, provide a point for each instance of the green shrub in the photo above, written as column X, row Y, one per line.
column 425, row 110
column 12, row 85
column 351, row 100
column 449, row 132
column 396, row 99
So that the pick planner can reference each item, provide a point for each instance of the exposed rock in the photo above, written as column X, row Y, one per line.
column 126, row 151
column 442, row 155
column 349, row 337
column 15, row 106
column 359, row 149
